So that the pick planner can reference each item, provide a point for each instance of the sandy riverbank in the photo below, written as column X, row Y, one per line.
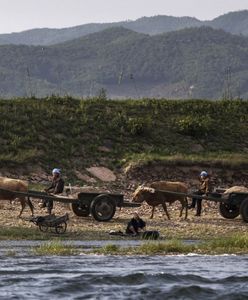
column 209, row 225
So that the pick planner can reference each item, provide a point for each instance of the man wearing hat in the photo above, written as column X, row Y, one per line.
column 56, row 187
column 203, row 189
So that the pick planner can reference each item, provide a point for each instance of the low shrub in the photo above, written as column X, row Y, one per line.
column 54, row 248
column 196, row 126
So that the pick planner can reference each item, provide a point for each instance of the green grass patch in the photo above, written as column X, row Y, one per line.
column 54, row 248
column 132, row 131
column 22, row 233
column 235, row 244
column 172, row 246
column 110, row 249
column 213, row 159
column 148, row 248
column 32, row 233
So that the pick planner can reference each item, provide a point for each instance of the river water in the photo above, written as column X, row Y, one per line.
column 26, row 276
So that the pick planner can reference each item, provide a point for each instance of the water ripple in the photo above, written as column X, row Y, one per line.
column 128, row 277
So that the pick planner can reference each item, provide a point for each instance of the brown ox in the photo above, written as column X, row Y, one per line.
column 154, row 195
column 15, row 185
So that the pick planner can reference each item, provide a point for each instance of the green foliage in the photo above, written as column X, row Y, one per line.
column 196, row 126
column 134, row 126
column 138, row 126
column 235, row 22
column 191, row 63
column 54, row 248
column 109, row 249
column 237, row 243
column 171, row 246
column 21, row 233
column 69, row 133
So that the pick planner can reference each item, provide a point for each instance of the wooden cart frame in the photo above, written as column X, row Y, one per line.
column 102, row 206
column 230, row 205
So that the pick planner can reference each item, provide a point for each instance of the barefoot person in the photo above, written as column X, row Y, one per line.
column 56, row 187
column 136, row 225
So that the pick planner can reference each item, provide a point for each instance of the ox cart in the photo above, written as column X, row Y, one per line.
column 231, row 205
column 102, row 206
column 58, row 224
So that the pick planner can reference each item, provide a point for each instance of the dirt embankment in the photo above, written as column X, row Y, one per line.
column 220, row 176
column 127, row 179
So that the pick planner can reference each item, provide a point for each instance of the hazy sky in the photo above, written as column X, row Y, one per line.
column 18, row 15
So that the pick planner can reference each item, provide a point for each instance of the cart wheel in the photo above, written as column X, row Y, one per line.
column 103, row 208
column 244, row 210
column 61, row 228
column 228, row 211
column 43, row 227
column 80, row 210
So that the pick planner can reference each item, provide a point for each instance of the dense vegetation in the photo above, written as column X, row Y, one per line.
column 234, row 22
column 72, row 133
column 192, row 63
column 236, row 243
column 232, row 244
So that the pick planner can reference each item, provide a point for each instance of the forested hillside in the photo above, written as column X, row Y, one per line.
column 191, row 63
column 233, row 22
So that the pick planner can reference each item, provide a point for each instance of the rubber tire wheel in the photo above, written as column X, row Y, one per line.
column 244, row 210
column 61, row 228
column 43, row 228
column 103, row 208
column 80, row 211
column 227, row 211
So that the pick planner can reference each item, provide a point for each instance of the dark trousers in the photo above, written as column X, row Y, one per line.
column 197, row 202
column 48, row 204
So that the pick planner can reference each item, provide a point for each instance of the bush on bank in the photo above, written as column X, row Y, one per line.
column 71, row 132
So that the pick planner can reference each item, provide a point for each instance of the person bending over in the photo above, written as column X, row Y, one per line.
column 135, row 225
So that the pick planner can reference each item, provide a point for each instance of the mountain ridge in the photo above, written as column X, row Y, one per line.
column 233, row 22
column 191, row 63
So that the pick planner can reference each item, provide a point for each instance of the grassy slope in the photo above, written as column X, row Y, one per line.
column 68, row 132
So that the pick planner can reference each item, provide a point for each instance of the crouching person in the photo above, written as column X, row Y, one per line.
column 136, row 225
